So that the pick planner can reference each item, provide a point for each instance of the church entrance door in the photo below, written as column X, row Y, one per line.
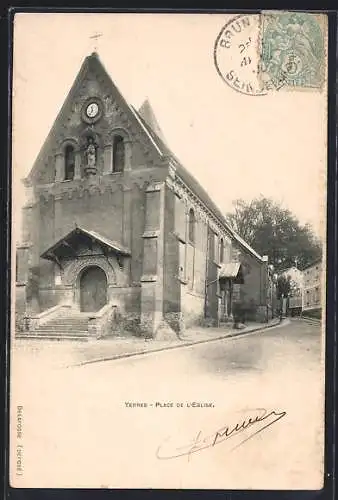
column 93, row 289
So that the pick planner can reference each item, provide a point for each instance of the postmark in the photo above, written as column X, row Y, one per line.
column 256, row 54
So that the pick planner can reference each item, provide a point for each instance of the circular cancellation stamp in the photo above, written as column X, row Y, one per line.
column 260, row 53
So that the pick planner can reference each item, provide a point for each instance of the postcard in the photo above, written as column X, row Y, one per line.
column 168, row 241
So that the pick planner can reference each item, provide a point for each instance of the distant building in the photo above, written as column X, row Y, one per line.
column 296, row 275
column 312, row 277
column 296, row 293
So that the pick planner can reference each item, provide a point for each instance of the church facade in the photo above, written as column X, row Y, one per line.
column 117, row 234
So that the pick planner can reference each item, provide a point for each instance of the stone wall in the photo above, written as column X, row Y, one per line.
column 20, row 307
column 50, row 297
column 116, row 212
column 192, row 307
column 128, row 312
column 171, row 281
column 20, row 299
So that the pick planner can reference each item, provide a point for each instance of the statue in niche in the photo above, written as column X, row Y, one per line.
column 91, row 153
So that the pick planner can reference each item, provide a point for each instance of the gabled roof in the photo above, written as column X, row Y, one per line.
column 195, row 186
column 288, row 269
column 66, row 240
column 91, row 62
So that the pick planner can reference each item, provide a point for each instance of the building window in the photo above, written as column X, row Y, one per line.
column 221, row 251
column 191, row 226
column 217, row 249
column 181, row 271
column 69, row 163
column 212, row 238
column 180, row 218
column 118, row 154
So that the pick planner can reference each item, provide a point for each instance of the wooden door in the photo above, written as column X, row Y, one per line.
column 93, row 289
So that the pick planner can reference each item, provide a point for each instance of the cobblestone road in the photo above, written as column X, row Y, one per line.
column 103, row 424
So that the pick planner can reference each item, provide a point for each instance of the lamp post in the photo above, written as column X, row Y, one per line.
column 273, row 278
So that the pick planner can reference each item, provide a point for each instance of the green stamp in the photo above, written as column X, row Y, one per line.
column 293, row 49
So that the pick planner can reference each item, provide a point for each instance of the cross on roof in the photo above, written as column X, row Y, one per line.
column 95, row 37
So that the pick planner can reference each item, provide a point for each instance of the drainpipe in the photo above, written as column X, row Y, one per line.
column 265, row 259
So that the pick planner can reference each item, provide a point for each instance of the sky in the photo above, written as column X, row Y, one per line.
column 237, row 146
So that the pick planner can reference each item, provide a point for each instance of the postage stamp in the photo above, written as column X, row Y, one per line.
column 261, row 53
column 293, row 49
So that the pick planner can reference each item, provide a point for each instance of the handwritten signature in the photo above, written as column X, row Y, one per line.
column 199, row 443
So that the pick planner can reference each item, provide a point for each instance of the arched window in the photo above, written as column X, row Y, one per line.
column 221, row 251
column 69, row 163
column 118, row 154
column 191, row 226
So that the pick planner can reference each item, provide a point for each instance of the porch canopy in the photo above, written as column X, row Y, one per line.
column 232, row 271
column 74, row 242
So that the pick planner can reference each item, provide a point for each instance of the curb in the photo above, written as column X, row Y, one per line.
column 313, row 321
column 177, row 346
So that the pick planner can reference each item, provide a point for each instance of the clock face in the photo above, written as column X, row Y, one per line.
column 92, row 110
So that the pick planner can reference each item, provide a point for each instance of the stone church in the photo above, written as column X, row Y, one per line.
column 118, row 235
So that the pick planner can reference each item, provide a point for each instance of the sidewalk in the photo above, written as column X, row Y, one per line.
column 107, row 349
column 67, row 354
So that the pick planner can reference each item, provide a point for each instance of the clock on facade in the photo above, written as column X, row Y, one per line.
column 92, row 110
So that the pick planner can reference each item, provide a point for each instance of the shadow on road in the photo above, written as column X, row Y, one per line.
column 296, row 343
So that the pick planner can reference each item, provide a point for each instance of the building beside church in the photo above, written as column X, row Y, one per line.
column 312, row 289
column 295, row 276
column 117, row 234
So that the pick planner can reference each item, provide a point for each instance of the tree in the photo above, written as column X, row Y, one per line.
column 285, row 286
column 274, row 231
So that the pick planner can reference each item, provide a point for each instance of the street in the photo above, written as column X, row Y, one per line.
column 120, row 423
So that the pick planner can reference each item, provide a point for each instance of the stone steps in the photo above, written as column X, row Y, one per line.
column 68, row 326
column 68, row 321
column 62, row 328
column 48, row 335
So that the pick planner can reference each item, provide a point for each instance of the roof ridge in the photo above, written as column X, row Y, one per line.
column 147, row 112
column 191, row 179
